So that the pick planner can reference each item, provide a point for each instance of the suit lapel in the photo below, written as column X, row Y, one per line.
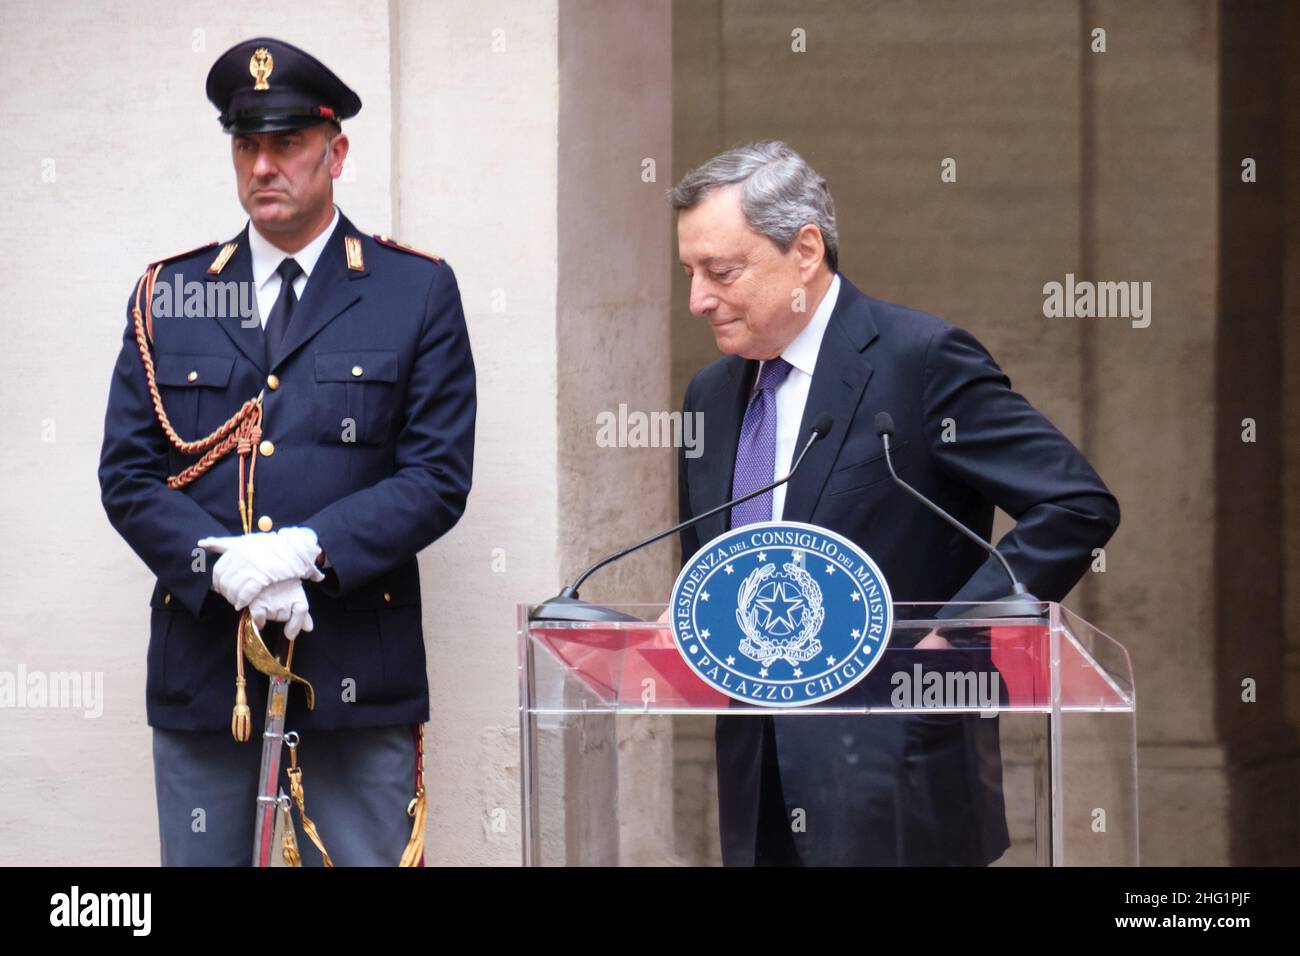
column 245, row 331
column 839, row 379
column 724, row 410
column 328, row 295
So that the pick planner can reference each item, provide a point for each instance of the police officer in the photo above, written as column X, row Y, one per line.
column 285, row 461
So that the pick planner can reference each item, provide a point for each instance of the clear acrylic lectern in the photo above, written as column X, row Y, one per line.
column 616, row 733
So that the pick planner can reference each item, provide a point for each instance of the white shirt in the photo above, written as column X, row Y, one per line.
column 792, row 394
column 267, row 257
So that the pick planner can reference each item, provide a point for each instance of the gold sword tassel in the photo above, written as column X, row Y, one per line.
column 417, row 809
column 296, row 791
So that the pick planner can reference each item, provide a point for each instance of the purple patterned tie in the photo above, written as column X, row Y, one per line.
column 756, row 452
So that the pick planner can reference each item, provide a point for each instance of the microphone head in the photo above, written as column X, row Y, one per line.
column 822, row 425
column 884, row 424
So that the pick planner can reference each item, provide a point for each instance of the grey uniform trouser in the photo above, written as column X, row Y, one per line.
column 357, row 784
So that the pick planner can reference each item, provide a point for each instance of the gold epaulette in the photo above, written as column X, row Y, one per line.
column 392, row 243
column 181, row 255
column 144, row 288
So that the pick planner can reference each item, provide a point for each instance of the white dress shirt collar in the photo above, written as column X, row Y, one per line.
column 267, row 256
column 802, row 352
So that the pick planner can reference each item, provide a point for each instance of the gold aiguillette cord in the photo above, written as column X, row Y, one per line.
column 241, row 431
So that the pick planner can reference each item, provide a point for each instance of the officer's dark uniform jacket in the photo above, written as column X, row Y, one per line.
column 369, row 414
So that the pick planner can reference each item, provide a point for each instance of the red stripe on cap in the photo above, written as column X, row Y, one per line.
column 326, row 112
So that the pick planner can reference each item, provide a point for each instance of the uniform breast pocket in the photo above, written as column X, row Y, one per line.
column 192, row 390
column 356, row 397
column 864, row 474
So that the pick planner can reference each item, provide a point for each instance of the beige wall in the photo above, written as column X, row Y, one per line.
column 477, row 174
column 140, row 169
column 457, row 150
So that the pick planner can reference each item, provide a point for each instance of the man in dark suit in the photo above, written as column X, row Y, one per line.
column 346, row 370
column 757, row 236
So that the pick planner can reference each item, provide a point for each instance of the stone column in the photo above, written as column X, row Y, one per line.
column 523, row 134
column 615, row 155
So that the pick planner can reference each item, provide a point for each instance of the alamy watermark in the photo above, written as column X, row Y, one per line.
column 922, row 689
column 54, row 689
column 213, row 299
column 130, row 910
column 635, row 429
column 1102, row 300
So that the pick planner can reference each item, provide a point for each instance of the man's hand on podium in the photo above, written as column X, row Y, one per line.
column 932, row 641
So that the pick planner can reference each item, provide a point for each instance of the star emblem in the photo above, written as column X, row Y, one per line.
column 704, row 634
column 830, row 569
column 730, row 660
column 729, row 569
column 855, row 633
column 704, row 595
column 854, row 595
column 781, row 607
column 762, row 672
column 798, row 672
column 830, row 661
column 762, row 555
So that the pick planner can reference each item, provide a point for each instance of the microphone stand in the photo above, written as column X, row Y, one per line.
column 1019, row 603
column 567, row 606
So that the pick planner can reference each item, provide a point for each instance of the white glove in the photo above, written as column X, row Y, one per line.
column 251, row 562
column 282, row 601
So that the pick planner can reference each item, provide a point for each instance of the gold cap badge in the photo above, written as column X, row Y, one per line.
column 260, row 66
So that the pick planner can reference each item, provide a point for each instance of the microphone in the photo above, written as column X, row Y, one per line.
column 1019, row 603
column 566, row 606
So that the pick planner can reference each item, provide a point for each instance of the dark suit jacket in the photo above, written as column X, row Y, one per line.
column 899, row 789
column 374, row 501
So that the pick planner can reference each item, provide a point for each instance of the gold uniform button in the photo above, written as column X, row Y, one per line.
column 193, row 376
column 356, row 370
column 264, row 523
column 387, row 596
column 167, row 599
column 273, row 382
column 266, row 448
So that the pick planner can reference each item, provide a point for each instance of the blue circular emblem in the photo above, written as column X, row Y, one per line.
column 781, row 614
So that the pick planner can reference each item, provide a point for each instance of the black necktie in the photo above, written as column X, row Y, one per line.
column 277, row 324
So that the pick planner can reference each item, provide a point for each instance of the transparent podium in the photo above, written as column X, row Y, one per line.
column 617, row 743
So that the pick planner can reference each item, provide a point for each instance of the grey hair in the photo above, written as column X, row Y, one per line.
column 780, row 194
